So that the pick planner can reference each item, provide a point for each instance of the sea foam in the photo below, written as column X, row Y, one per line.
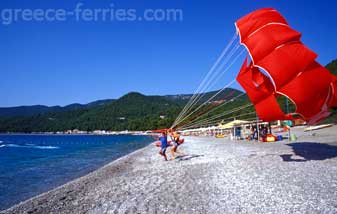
column 32, row 146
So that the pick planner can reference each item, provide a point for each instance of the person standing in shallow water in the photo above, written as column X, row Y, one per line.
column 163, row 144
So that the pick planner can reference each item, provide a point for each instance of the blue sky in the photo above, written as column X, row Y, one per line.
column 58, row 63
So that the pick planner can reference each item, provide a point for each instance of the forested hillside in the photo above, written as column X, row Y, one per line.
column 332, row 66
column 133, row 111
column 41, row 109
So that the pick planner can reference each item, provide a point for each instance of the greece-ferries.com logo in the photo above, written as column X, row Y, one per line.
column 81, row 13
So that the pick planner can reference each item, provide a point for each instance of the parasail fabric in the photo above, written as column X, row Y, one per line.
column 260, row 43
column 257, row 19
column 291, row 67
column 285, row 63
column 256, row 84
column 260, row 91
column 310, row 91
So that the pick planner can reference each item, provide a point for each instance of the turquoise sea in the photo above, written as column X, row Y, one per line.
column 33, row 164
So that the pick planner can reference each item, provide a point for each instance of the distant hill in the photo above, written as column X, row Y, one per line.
column 332, row 66
column 27, row 110
column 227, row 94
column 41, row 109
column 133, row 111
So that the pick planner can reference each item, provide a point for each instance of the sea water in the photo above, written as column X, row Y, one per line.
column 33, row 164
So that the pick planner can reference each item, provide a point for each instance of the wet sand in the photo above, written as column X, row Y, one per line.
column 217, row 176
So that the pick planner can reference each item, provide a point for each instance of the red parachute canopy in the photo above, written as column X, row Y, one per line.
column 291, row 67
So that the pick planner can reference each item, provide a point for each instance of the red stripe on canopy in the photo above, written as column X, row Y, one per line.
column 266, row 40
column 286, row 62
column 257, row 19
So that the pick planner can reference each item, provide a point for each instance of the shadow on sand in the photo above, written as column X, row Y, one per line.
column 187, row 157
column 310, row 151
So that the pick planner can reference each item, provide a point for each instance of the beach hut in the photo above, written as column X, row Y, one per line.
column 237, row 127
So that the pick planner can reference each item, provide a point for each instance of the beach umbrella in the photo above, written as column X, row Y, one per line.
column 232, row 124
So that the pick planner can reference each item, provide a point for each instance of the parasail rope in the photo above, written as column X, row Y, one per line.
column 234, row 60
column 194, row 103
column 220, row 121
column 217, row 116
column 209, row 81
column 207, row 101
column 208, row 74
column 214, row 117
column 219, row 106
column 196, row 97
column 216, row 121
column 206, row 86
column 230, row 119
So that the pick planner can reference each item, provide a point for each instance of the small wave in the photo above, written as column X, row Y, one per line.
column 45, row 147
column 1, row 141
column 11, row 145
column 32, row 146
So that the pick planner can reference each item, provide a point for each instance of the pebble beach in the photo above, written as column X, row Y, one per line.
column 214, row 176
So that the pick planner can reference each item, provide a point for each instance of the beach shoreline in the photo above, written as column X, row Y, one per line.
column 218, row 176
column 75, row 180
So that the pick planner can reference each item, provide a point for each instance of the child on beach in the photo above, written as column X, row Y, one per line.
column 163, row 144
column 175, row 143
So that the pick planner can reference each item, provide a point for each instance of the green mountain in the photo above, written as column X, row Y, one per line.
column 41, row 109
column 332, row 66
column 133, row 111
column 226, row 94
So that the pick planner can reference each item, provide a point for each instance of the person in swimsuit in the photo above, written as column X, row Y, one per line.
column 163, row 145
column 175, row 143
